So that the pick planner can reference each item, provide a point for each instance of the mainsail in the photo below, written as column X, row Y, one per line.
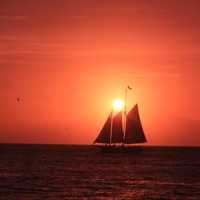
column 104, row 135
column 117, row 129
column 134, row 130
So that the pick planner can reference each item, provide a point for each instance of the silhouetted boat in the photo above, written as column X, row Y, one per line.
column 121, row 132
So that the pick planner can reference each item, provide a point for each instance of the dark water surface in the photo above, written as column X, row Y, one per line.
column 82, row 172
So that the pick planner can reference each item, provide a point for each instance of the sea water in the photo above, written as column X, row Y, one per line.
column 69, row 172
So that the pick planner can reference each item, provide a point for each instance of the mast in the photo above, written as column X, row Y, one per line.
column 125, row 103
column 124, row 123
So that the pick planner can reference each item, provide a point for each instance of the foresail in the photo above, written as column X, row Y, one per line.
column 104, row 135
column 134, row 131
column 117, row 130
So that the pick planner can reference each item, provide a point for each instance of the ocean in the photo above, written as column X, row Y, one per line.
column 56, row 172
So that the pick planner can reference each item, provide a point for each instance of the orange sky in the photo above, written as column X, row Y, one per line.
column 68, row 60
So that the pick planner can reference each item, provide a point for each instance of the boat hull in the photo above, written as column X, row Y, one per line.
column 120, row 149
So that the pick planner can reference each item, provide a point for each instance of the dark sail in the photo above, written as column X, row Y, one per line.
column 104, row 135
column 134, row 131
column 117, row 130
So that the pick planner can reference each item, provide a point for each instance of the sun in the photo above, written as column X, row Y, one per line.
column 118, row 104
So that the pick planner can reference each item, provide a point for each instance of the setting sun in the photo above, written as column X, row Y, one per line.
column 118, row 104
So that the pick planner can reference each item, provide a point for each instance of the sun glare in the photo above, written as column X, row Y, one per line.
column 118, row 104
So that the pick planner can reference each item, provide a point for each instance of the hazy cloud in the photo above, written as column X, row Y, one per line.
column 13, row 18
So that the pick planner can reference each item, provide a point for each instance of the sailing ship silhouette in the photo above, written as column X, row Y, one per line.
column 121, row 131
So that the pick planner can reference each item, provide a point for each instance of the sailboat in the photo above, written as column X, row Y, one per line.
column 122, row 132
